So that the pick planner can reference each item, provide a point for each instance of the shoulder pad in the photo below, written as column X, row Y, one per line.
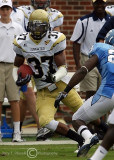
column 54, row 14
column 26, row 10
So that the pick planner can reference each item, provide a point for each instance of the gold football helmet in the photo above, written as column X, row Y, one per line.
column 38, row 24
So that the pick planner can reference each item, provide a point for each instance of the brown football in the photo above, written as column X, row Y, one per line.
column 25, row 69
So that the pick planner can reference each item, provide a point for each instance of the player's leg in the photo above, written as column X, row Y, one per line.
column 16, row 121
column 90, row 85
column 46, row 112
column 2, row 91
column 28, row 101
column 87, row 113
column 107, row 142
column 31, row 103
column 23, row 108
column 12, row 92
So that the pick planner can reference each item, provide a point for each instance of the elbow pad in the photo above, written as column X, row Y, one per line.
column 62, row 72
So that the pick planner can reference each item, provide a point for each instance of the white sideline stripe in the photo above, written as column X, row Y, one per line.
column 39, row 142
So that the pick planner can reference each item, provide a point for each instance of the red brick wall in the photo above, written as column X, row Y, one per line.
column 72, row 10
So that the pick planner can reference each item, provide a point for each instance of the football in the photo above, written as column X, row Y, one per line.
column 25, row 69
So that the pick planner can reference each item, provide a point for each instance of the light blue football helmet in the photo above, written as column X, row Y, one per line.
column 109, row 39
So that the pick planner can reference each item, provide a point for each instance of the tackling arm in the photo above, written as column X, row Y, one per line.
column 77, row 77
column 81, row 73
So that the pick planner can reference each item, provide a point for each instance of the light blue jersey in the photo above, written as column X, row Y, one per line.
column 105, row 66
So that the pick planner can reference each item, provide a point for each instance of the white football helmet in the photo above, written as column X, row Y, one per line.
column 109, row 39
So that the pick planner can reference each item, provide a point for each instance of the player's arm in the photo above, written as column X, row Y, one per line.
column 19, row 60
column 60, row 61
column 77, row 77
column 81, row 73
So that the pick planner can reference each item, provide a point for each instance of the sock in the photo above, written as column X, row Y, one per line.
column 103, row 126
column 84, row 132
column 21, row 123
column 99, row 154
column 74, row 136
column 16, row 127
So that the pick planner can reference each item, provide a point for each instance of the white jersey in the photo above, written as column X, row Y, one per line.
column 18, row 16
column 40, row 54
column 55, row 17
column 110, row 10
column 7, row 34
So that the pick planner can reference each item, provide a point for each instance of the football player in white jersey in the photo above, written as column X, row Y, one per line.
column 56, row 20
column 18, row 16
column 56, row 17
column 44, row 52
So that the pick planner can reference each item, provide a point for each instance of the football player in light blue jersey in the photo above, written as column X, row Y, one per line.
column 102, row 57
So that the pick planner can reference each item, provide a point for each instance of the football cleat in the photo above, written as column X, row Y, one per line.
column 17, row 137
column 77, row 150
column 87, row 145
column 43, row 134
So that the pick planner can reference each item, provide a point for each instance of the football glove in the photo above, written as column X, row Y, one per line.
column 49, row 78
column 22, row 81
column 60, row 97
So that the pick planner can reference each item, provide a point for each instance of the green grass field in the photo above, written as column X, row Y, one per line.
column 45, row 152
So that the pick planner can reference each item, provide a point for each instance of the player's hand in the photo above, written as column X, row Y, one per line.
column 22, row 81
column 49, row 78
column 60, row 97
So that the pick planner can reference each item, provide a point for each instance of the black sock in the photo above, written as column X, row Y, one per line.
column 74, row 136
column 103, row 126
column 21, row 123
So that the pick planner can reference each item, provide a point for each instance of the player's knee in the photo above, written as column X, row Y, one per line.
column 75, row 116
column 52, row 125
column 47, row 122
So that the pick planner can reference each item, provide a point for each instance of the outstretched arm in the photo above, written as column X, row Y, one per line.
column 77, row 77
column 81, row 73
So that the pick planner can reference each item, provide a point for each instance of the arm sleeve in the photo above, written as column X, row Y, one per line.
column 105, row 29
column 78, row 32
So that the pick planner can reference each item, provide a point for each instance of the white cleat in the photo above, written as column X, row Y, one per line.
column 93, row 140
column 76, row 151
column 17, row 137
column 43, row 134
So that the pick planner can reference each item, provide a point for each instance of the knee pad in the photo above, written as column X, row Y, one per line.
column 52, row 125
